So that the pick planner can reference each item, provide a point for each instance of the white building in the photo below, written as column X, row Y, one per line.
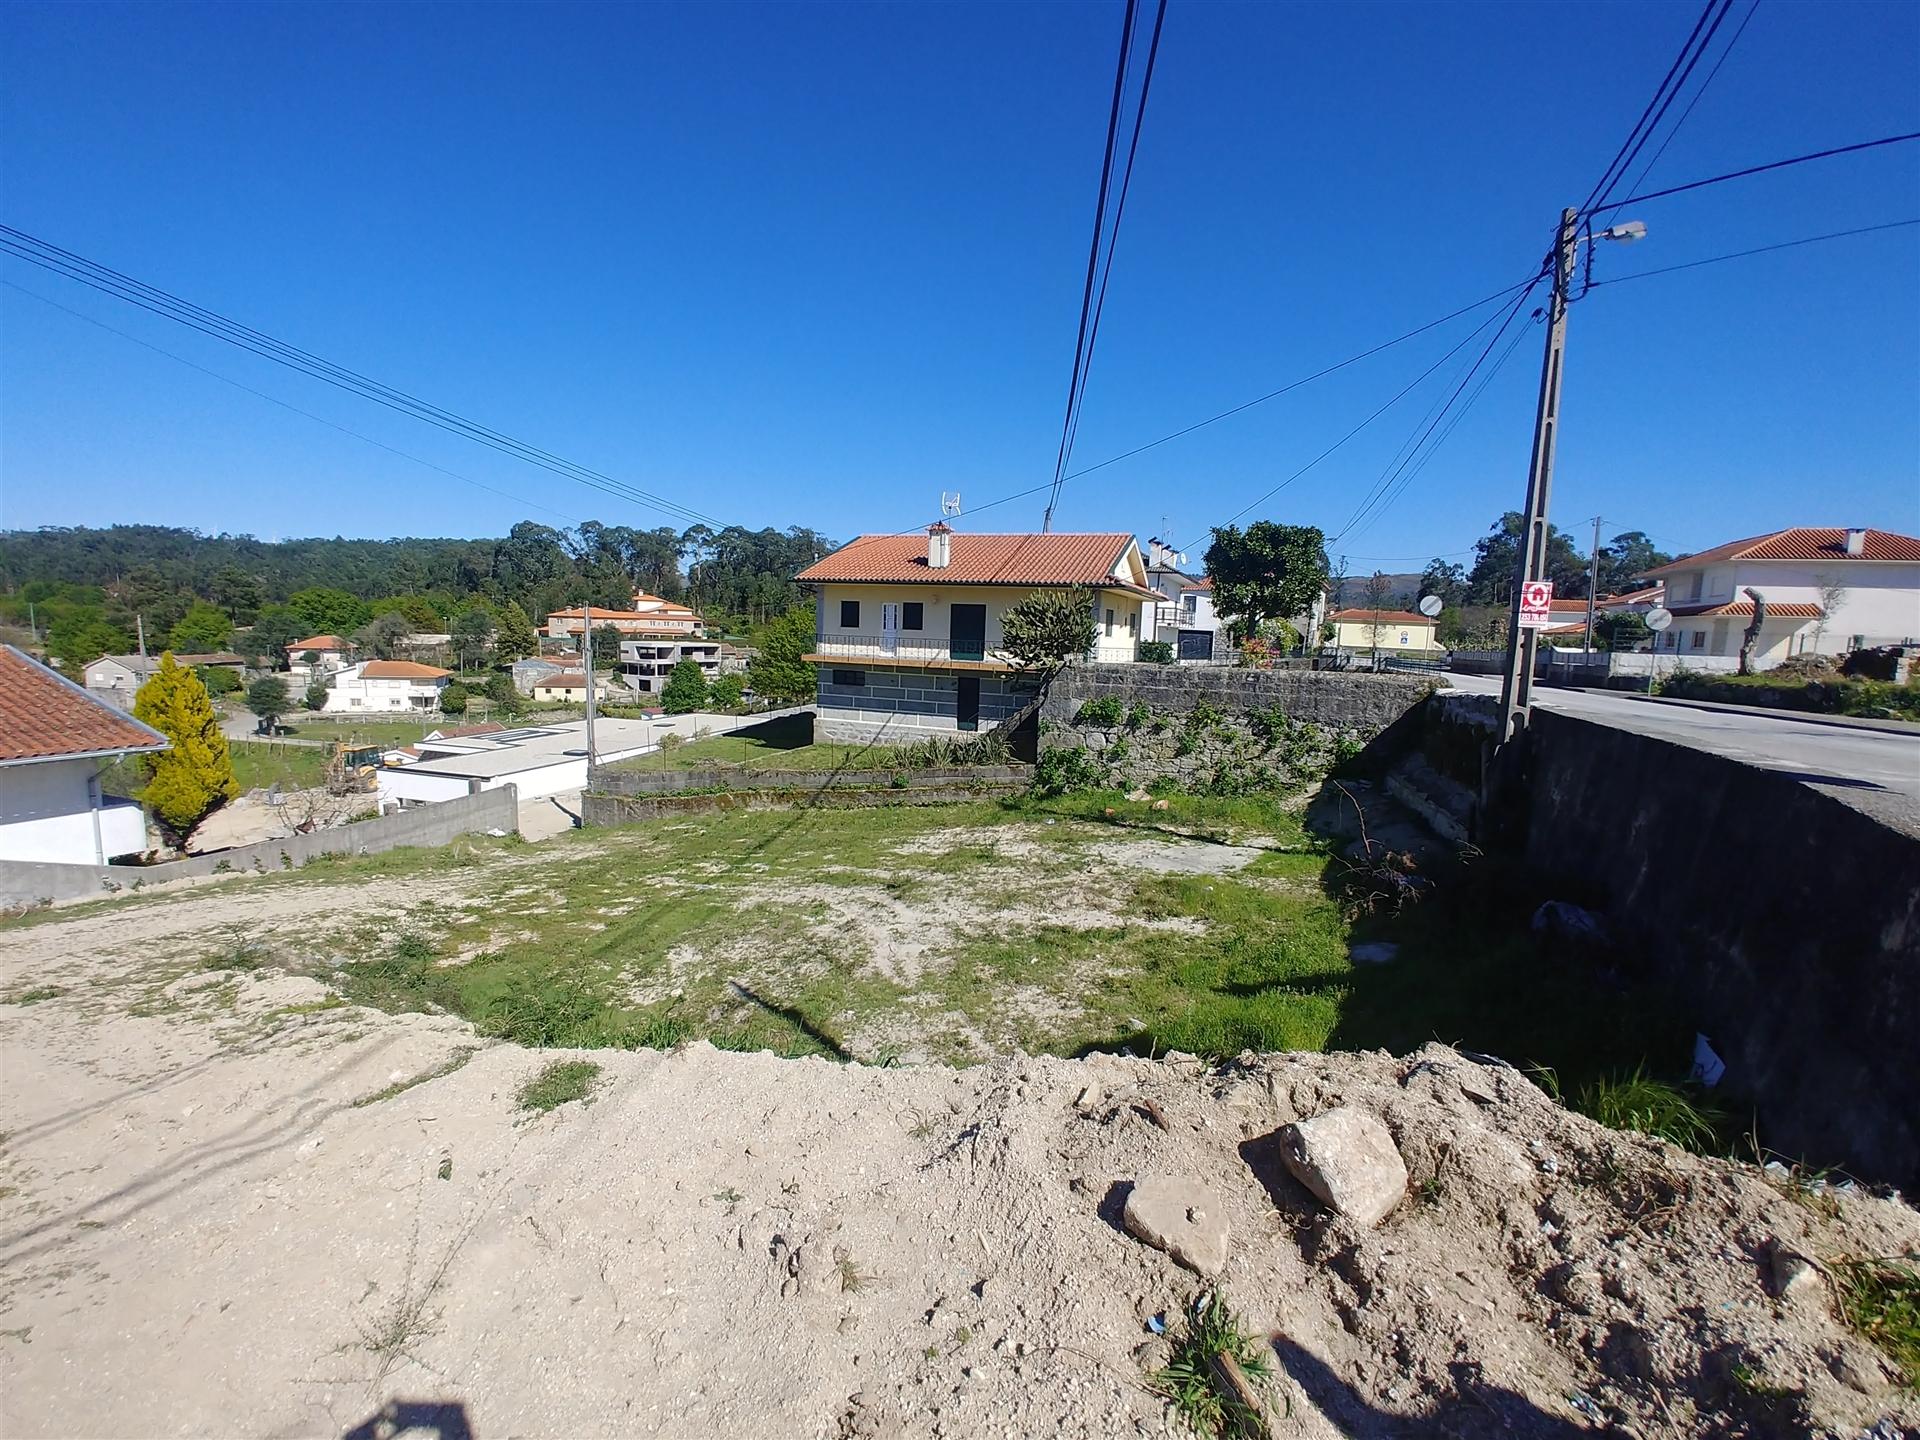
column 537, row 760
column 908, row 628
column 646, row 664
column 386, row 687
column 648, row 615
column 55, row 739
column 118, row 678
column 330, row 655
column 1183, row 616
column 1827, row 591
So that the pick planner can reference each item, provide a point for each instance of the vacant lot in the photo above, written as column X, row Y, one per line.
column 787, row 744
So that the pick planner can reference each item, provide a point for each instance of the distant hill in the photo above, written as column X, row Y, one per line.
column 1353, row 592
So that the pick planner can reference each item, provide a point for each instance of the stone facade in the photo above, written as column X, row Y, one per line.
column 900, row 706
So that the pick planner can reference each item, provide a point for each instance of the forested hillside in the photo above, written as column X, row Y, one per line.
column 81, row 589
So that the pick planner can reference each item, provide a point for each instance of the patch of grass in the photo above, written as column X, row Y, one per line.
column 258, row 764
column 560, row 1083
column 1187, row 1381
column 241, row 953
column 400, row 1087
column 853, row 1279
column 1637, row 1101
column 34, row 996
column 1880, row 1301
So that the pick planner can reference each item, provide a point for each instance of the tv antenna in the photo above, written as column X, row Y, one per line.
column 949, row 502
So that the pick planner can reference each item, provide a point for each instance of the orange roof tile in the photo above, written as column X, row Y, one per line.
column 317, row 642
column 975, row 560
column 401, row 670
column 1803, row 542
column 1787, row 610
column 45, row 716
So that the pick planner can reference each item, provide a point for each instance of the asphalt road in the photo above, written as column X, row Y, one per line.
column 1872, row 769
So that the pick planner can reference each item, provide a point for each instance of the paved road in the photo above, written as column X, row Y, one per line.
column 1876, row 770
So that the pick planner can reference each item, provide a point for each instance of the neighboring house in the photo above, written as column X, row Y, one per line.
column 1388, row 631
column 535, row 667
column 537, row 760
column 1183, row 616
column 568, row 685
column 907, row 627
column 387, row 686
column 55, row 739
column 734, row 659
column 330, row 655
column 117, row 678
column 1827, row 591
column 646, row 664
column 649, row 617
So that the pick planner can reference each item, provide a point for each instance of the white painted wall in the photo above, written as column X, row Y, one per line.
column 352, row 693
column 934, row 638
column 1881, row 606
column 47, row 814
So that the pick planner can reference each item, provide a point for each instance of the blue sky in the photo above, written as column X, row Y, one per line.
column 815, row 264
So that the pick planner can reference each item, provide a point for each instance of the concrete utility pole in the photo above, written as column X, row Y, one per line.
column 1516, row 691
column 1593, row 583
column 586, row 653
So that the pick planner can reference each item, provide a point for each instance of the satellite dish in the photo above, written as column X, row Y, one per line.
column 1658, row 618
column 1431, row 605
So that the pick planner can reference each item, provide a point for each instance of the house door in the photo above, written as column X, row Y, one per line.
column 1196, row 644
column 890, row 627
column 967, row 708
column 970, row 636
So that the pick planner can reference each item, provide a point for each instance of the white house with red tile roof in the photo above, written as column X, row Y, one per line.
column 1827, row 591
column 908, row 627
column 648, row 616
column 386, row 687
column 55, row 739
column 1184, row 616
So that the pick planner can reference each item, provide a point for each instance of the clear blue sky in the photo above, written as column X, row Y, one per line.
column 813, row 264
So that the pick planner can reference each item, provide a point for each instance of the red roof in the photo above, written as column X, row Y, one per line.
column 44, row 716
column 485, row 727
column 317, row 642
column 669, row 611
column 562, row 680
column 401, row 670
column 1028, row 559
column 1789, row 610
column 1804, row 542
column 1383, row 617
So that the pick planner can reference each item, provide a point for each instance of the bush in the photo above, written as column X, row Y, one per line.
column 1105, row 711
column 1639, row 1102
column 317, row 695
column 1156, row 652
column 1060, row 771
column 218, row 679
column 726, row 692
column 453, row 699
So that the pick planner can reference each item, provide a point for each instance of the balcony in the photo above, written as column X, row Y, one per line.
column 906, row 649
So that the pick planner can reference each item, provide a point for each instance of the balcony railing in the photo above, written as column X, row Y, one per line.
column 916, row 647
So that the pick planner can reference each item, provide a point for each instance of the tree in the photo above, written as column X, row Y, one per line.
column 329, row 612
column 193, row 777
column 1833, row 594
column 1447, row 579
column 79, row 640
column 1048, row 628
column 416, row 610
column 241, row 595
column 686, row 689
column 1496, row 563
column 273, row 631
column 472, row 637
column 499, row 689
column 1620, row 629
column 726, row 692
column 606, row 645
column 384, row 634
column 218, row 679
column 453, row 699
column 317, row 695
column 203, row 628
column 1266, row 572
column 778, row 670
column 267, row 697
column 1625, row 559
column 1378, row 597
column 515, row 639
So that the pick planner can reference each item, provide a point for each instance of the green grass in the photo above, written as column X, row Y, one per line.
column 1638, row 1101
column 1880, row 1300
column 783, row 744
column 558, row 1084
column 260, row 763
column 370, row 729
column 1187, row 1380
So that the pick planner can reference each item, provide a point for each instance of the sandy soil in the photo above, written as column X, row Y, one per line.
column 223, row 1210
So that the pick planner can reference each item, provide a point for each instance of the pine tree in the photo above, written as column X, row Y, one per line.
column 194, row 778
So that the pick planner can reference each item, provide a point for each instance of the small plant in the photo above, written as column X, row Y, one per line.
column 1748, row 1382
column 1205, row 715
column 1156, row 652
column 1188, row 1383
column 1138, row 714
column 558, row 1084
column 1880, row 1300
column 1430, row 1190
column 1637, row 1101
column 1064, row 769
column 852, row 1278
column 1104, row 712
column 35, row 995
column 242, row 954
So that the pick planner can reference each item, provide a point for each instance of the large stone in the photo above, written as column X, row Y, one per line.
column 1182, row 1218
column 1348, row 1160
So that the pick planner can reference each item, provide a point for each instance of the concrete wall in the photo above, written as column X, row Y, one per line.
column 898, row 707
column 1339, row 699
column 1796, row 948
column 30, row 884
column 47, row 814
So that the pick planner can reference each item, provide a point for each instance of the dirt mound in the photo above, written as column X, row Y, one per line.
column 254, row 1212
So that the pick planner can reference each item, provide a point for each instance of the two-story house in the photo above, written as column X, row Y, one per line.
column 648, row 616
column 1183, row 616
column 1827, row 591
column 646, row 664
column 908, row 627
column 387, row 686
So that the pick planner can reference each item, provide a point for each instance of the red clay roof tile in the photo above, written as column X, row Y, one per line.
column 1803, row 542
column 44, row 715
column 1029, row 559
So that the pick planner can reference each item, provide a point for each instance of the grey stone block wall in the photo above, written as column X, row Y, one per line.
column 898, row 707
column 1333, row 698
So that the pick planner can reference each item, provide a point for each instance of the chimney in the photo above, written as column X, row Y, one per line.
column 939, row 545
column 1159, row 554
column 1856, row 542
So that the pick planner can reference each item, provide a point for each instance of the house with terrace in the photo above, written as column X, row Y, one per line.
column 907, row 628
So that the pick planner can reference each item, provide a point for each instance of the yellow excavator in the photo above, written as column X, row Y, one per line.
column 353, row 769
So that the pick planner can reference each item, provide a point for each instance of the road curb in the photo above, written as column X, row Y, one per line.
column 1804, row 717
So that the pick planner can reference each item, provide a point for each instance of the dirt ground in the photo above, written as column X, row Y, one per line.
column 231, row 1205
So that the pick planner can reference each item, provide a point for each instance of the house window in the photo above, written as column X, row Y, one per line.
column 1188, row 602
column 913, row 615
column 1109, row 624
column 849, row 614
column 1699, row 639
column 1699, row 578
column 1133, row 624
column 851, row 679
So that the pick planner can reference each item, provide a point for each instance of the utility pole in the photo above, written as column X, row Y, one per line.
column 1516, row 691
column 1593, row 585
column 140, row 628
column 586, row 652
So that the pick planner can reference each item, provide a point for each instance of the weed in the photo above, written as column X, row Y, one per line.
column 1138, row 714
column 1430, row 1190
column 1637, row 1101
column 1880, row 1300
column 558, row 1084
column 1748, row 1382
column 35, row 995
column 852, row 1278
column 400, row 1087
column 1187, row 1381
column 729, row 1197
column 445, row 1172
column 932, row 1352
column 240, row 954
column 1103, row 712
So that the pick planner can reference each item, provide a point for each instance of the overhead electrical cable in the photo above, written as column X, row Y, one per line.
column 1763, row 169
column 1617, row 166
column 1673, row 92
column 1758, row 250
column 159, row 302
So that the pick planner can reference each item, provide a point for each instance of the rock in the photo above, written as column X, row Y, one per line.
column 1138, row 797
column 1182, row 1218
column 1348, row 1160
column 1795, row 1277
column 1160, row 804
column 1374, row 952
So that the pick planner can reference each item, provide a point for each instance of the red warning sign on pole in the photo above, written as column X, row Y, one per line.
column 1536, row 604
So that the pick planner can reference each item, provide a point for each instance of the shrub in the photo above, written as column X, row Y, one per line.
column 1639, row 1102
column 1104, row 711
column 453, row 699
column 1070, row 768
column 1156, row 652
column 218, row 679
column 1138, row 714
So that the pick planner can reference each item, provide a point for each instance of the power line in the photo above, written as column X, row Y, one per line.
column 1093, row 252
column 1673, row 94
column 1763, row 169
column 1759, row 250
column 160, row 302
column 284, row 405
column 1618, row 165
column 1705, row 85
